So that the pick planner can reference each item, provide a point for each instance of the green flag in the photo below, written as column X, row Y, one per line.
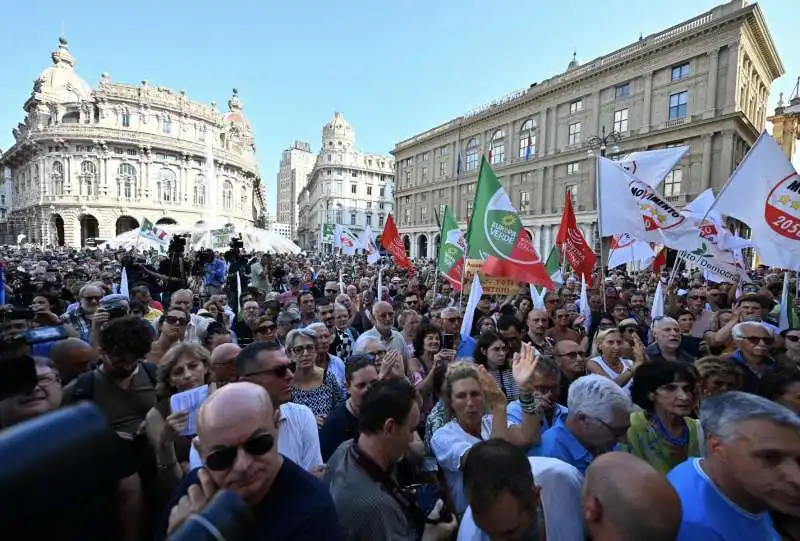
column 451, row 250
column 553, row 266
column 495, row 234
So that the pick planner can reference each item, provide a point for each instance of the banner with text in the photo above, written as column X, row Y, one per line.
column 491, row 285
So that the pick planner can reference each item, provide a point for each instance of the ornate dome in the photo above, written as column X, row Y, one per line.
column 234, row 114
column 338, row 133
column 60, row 83
column 574, row 62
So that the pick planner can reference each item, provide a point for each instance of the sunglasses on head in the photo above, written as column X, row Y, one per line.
column 222, row 458
column 175, row 320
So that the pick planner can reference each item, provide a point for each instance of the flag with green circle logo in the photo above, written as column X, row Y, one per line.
column 451, row 250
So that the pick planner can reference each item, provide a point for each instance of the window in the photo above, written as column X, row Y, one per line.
column 573, row 168
column 337, row 187
column 680, row 72
column 574, row 134
column 352, row 218
column 469, row 209
column 576, row 107
column 527, row 139
column 380, row 221
column 199, row 198
column 442, row 208
column 380, row 206
column 622, row 91
column 369, row 190
column 497, row 148
column 57, row 178
column 88, row 175
column 472, row 154
column 130, row 152
column 330, row 158
column 369, row 204
column 354, row 174
column 672, row 183
column 243, row 198
column 423, row 214
column 442, row 151
column 201, row 133
column 408, row 177
column 126, row 119
column 677, row 105
column 524, row 201
column 425, row 157
column 369, row 220
column 227, row 195
column 424, row 174
column 407, row 215
column 442, row 169
column 167, row 186
column 353, row 189
column 621, row 120
column 382, row 191
column 126, row 181
column 167, row 125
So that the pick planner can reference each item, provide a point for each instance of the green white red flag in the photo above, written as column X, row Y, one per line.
column 451, row 250
column 495, row 234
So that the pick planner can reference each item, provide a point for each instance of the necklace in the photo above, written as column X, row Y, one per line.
column 680, row 441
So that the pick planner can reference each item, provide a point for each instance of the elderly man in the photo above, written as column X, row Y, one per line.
column 599, row 417
column 753, row 342
column 545, row 386
column 749, row 470
column 184, row 299
column 571, row 359
column 223, row 363
column 619, row 490
column 238, row 443
column 383, row 331
column 81, row 319
column 667, row 345
column 450, row 323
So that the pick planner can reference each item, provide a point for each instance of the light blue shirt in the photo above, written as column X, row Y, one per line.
column 466, row 348
column 558, row 442
column 336, row 367
column 514, row 414
column 709, row 515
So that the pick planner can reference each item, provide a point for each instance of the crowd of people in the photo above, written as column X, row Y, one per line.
column 340, row 405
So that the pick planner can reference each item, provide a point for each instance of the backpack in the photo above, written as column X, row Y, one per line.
column 84, row 383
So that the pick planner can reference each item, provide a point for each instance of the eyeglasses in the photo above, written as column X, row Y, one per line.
column 222, row 458
column 174, row 320
column 698, row 297
column 45, row 380
column 299, row 350
column 279, row 371
column 754, row 340
column 412, row 303
column 266, row 328
column 616, row 431
column 378, row 354
column 792, row 337
column 331, row 290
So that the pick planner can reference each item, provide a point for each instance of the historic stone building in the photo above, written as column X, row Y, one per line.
column 702, row 83
column 91, row 163
column 786, row 122
column 297, row 162
column 345, row 187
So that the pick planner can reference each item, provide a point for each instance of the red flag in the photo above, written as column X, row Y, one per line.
column 661, row 259
column 390, row 239
column 572, row 244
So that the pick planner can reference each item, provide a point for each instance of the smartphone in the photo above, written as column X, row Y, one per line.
column 117, row 312
column 448, row 341
column 44, row 334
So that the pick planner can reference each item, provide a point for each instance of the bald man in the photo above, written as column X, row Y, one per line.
column 626, row 499
column 73, row 357
column 223, row 363
column 383, row 331
column 237, row 430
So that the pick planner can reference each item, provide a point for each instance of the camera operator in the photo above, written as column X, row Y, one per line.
column 213, row 272
column 260, row 272
column 172, row 270
column 237, row 264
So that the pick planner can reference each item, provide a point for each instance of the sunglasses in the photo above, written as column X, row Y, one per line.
column 754, row 340
column 299, row 350
column 222, row 458
column 174, row 320
column 266, row 328
column 279, row 371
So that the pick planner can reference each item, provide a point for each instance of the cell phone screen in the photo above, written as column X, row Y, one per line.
column 448, row 341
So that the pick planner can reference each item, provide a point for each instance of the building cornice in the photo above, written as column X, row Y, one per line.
column 765, row 44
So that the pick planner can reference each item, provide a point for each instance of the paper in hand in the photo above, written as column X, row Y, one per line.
column 190, row 401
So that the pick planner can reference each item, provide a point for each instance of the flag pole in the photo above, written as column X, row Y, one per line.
column 436, row 262
column 600, row 233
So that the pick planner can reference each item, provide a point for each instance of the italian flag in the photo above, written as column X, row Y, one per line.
column 451, row 250
column 495, row 234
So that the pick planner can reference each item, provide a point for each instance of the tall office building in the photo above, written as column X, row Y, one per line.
column 297, row 162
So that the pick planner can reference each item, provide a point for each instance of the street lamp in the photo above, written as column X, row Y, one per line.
column 602, row 142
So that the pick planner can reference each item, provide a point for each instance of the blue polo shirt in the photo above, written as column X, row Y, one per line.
column 514, row 414
column 709, row 514
column 558, row 442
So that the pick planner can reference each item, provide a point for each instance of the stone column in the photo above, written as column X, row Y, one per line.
column 552, row 129
column 595, row 114
column 732, row 84
column 705, row 182
column 543, row 132
column 541, row 181
column 713, row 75
column 68, row 175
column 646, row 108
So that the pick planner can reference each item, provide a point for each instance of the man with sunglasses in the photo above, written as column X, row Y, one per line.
column 238, row 444
column 753, row 343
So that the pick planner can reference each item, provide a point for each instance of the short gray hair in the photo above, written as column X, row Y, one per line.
column 547, row 366
column 339, row 306
column 597, row 395
column 315, row 328
column 738, row 330
column 659, row 322
column 361, row 344
column 722, row 414
column 450, row 310
column 291, row 338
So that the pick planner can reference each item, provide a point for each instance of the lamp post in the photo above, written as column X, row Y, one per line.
column 601, row 142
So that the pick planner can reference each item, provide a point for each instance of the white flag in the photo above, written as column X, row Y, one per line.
column 345, row 239
column 658, row 302
column 366, row 241
column 783, row 319
column 763, row 193
column 626, row 249
column 123, row 283
column 651, row 166
column 537, row 299
column 475, row 295
column 633, row 207
column 584, row 308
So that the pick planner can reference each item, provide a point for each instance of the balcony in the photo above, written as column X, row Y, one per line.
column 674, row 123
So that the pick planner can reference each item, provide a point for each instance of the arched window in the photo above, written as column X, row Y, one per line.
column 227, row 195
column 126, row 181
column 57, row 178
column 199, row 191
column 88, row 176
column 527, row 140
column 167, row 186
column 497, row 148
column 472, row 154
column 243, row 198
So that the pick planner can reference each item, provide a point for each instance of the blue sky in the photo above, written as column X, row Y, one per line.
column 392, row 68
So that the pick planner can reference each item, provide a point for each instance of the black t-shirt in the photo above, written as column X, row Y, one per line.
column 298, row 507
column 339, row 426
column 171, row 267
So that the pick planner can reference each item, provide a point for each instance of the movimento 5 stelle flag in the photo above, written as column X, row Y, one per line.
column 451, row 251
column 495, row 234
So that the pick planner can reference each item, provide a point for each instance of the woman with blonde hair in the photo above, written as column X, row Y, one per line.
column 610, row 363
column 185, row 366
column 717, row 375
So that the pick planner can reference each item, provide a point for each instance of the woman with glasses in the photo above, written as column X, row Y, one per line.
column 266, row 330
column 171, row 330
column 609, row 362
column 663, row 433
column 492, row 354
column 183, row 368
column 312, row 385
column 326, row 361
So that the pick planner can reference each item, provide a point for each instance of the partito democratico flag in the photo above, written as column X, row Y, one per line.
column 764, row 193
column 451, row 251
column 496, row 235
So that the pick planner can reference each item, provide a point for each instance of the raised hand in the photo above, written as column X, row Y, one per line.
column 196, row 498
column 494, row 395
column 523, row 366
